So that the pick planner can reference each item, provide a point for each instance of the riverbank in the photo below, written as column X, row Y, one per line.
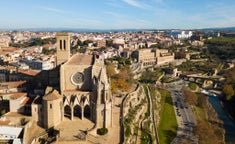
column 209, row 127
column 228, row 122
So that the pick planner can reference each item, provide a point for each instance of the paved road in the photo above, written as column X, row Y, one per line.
column 184, row 115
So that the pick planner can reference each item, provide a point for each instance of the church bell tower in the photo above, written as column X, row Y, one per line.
column 62, row 47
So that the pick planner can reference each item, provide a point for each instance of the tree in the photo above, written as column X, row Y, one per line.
column 192, row 86
column 228, row 91
column 110, row 70
column 2, row 112
column 109, row 43
column 190, row 97
column 122, row 81
column 180, row 55
column 48, row 52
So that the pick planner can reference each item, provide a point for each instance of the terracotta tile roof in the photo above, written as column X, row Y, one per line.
column 17, row 95
column 25, row 101
column 80, row 59
column 4, row 122
column 28, row 72
column 9, row 85
column 13, row 95
column 73, row 91
column 52, row 96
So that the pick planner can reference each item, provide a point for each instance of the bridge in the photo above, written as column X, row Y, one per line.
column 205, row 81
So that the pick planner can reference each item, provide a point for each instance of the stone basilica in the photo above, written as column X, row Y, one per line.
column 84, row 90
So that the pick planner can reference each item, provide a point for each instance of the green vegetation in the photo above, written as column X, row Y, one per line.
column 167, row 79
column 189, row 96
column 48, row 52
column 180, row 55
column 102, row 131
column 109, row 43
column 35, row 42
column 40, row 42
column 150, row 76
column 23, row 121
column 208, row 127
column 153, row 94
column 222, row 47
column 122, row 81
column 2, row 112
column 147, row 114
column 119, row 81
column 167, row 128
column 146, row 138
column 128, row 131
column 205, row 67
column 222, row 40
column 192, row 86
column 228, row 91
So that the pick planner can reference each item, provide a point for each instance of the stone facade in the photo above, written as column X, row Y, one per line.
column 63, row 48
column 52, row 109
column 152, row 57
column 84, row 90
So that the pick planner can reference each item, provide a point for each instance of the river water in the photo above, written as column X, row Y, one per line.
column 229, row 124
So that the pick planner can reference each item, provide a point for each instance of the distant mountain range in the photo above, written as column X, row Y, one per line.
column 108, row 30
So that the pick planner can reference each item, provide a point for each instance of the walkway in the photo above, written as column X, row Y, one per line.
column 152, row 115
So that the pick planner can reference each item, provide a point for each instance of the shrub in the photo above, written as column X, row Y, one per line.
column 192, row 86
column 102, row 131
column 23, row 121
column 128, row 131
column 2, row 112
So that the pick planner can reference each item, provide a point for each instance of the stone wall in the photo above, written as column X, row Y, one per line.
column 134, row 107
column 133, row 99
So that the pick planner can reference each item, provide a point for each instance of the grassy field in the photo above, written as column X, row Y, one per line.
column 167, row 128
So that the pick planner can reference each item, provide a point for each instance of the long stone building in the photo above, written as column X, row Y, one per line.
column 152, row 57
column 84, row 90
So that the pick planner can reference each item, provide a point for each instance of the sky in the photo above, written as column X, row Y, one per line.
column 117, row 14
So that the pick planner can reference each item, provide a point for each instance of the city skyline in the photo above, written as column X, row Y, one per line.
column 117, row 14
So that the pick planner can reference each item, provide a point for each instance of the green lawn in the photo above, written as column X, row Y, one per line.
column 167, row 128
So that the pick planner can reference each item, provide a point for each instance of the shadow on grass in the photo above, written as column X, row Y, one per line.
column 168, row 100
column 170, row 135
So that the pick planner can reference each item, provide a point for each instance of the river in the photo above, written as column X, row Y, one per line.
column 229, row 124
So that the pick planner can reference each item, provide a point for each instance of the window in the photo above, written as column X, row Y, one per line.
column 50, row 106
column 60, row 44
column 64, row 45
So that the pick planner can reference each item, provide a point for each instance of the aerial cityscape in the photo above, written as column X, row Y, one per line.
column 117, row 72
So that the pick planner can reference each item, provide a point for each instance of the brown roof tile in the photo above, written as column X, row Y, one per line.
column 80, row 59
column 52, row 96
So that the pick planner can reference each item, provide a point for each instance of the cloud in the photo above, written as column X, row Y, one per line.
column 113, row 14
column 137, row 4
column 54, row 10
column 114, row 3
